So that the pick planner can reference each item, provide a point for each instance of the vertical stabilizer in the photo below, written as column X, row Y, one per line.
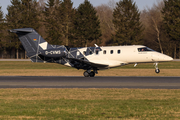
column 38, row 50
column 30, row 39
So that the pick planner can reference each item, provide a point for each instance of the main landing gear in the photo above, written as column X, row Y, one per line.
column 89, row 73
column 157, row 69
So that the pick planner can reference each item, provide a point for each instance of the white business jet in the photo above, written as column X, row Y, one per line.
column 91, row 59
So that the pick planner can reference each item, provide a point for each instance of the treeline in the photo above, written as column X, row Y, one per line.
column 114, row 23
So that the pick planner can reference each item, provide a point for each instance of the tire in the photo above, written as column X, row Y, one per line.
column 157, row 71
column 91, row 74
column 86, row 74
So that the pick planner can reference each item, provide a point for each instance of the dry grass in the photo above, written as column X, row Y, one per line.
column 140, row 72
column 23, row 118
column 87, row 94
column 40, row 72
column 74, row 72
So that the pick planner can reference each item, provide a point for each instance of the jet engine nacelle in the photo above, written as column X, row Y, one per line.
column 54, row 53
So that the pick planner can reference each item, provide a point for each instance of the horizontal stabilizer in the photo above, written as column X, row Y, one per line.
column 27, row 30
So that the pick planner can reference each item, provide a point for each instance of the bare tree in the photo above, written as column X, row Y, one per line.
column 112, row 4
column 105, row 14
column 152, row 21
column 42, row 3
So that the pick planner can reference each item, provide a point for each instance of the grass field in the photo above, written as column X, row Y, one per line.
column 88, row 104
column 52, row 69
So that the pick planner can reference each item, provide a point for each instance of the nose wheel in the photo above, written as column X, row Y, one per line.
column 157, row 69
column 89, row 74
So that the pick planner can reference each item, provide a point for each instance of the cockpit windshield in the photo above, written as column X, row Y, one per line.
column 145, row 49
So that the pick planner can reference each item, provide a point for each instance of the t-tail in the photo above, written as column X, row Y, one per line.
column 38, row 50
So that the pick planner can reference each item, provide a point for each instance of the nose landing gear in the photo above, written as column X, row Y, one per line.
column 157, row 69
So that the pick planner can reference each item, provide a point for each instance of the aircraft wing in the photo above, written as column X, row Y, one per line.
column 99, row 66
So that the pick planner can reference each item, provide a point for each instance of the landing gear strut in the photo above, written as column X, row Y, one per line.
column 89, row 74
column 157, row 69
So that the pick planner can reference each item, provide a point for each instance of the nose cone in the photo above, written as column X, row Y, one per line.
column 161, row 57
column 167, row 58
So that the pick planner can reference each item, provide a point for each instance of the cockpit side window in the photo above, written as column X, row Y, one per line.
column 144, row 49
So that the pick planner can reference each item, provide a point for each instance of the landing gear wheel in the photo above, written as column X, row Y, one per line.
column 92, row 74
column 157, row 71
column 86, row 74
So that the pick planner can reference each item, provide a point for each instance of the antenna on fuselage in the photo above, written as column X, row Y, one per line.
column 96, row 45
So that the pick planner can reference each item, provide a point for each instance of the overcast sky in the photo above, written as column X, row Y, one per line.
column 140, row 3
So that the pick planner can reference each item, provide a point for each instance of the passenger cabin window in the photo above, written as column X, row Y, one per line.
column 104, row 52
column 111, row 51
column 144, row 49
column 84, row 52
column 119, row 51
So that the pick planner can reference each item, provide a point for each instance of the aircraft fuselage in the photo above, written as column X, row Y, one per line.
column 115, row 56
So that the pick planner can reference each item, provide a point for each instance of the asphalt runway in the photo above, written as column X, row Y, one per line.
column 96, row 82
